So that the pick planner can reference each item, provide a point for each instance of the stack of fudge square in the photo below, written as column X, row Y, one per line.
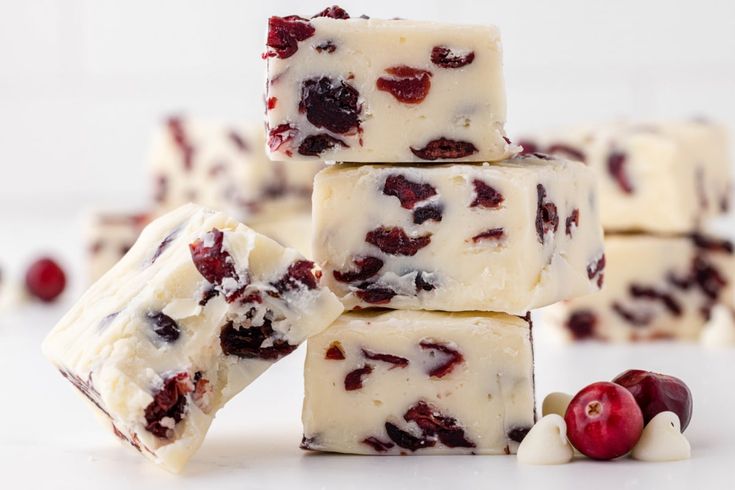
column 660, row 185
column 438, row 253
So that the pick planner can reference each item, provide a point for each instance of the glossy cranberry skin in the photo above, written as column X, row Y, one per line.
column 656, row 393
column 604, row 421
column 45, row 279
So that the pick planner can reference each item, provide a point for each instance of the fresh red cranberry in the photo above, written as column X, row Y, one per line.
column 168, row 402
column 407, row 191
column 330, row 104
column 395, row 241
column 285, row 33
column 491, row 234
column 656, row 393
column 597, row 270
column 164, row 326
column 333, row 12
column 582, row 324
column 604, row 421
column 447, row 58
column 547, row 217
column 432, row 212
column 211, row 260
column 376, row 295
column 571, row 222
column 377, row 444
column 355, row 378
column 246, row 342
column 566, row 150
column 335, row 352
column 316, row 144
column 408, row 85
column 485, row 196
column 45, row 279
column 281, row 135
column 396, row 361
column 365, row 268
column 452, row 357
column 616, row 162
column 444, row 148
column 298, row 275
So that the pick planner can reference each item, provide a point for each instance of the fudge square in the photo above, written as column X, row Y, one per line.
column 223, row 166
column 194, row 312
column 655, row 288
column 667, row 177
column 507, row 237
column 418, row 382
column 369, row 90
column 109, row 236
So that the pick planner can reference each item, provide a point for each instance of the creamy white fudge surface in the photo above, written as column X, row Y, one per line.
column 291, row 230
column 109, row 236
column 657, row 177
column 655, row 288
column 507, row 237
column 194, row 312
column 417, row 382
column 223, row 166
column 370, row 90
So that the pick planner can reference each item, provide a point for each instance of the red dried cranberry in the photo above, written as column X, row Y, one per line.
column 547, row 218
column 389, row 358
column 280, row 135
column 316, row 144
column 376, row 295
column 335, row 352
column 444, row 148
column 709, row 279
column 333, row 12
column 596, row 270
column 208, row 294
column 211, row 260
column 432, row 212
column 395, row 241
column 366, row 267
column 45, row 279
column 238, row 140
column 434, row 424
column 246, row 341
column 582, row 324
column 447, row 58
column 330, row 104
column 285, row 33
column 377, row 444
column 644, row 292
column 271, row 103
column 164, row 326
column 408, row 85
column 528, row 147
column 485, row 196
column 405, row 440
column 421, row 284
column 168, row 402
column 491, row 234
column 354, row 379
column 299, row 275
column 712, row 244
column 635, row 319
column 165, row 244
column 407, row 191
column 327, row 46
column 566, row 150
column 572, row 221
column 453, row 357
column 517, row 434
column 616, row 168
column 178, row 133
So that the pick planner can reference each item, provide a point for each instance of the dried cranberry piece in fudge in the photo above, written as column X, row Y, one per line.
column 168, row 403
column 453, row 357
column 178, row 133
column 395, row 241
column 616, row 162
column 299, row 275
column 246, row 341
column 668, row 300
column 547, row 217
column 422, row 284
column 396, row 361
column 285, row 33
column 375, row 295
column 571, row 222
column 448, row 58
column 366, row 267
column 377, row 444
column 333, row 12
column 316, row 144
column 528, row 147
column 444, row 148
column 596, row 270
column 405, row 440
column 432, row 212
column 434, row 424
column 712, row 244
column 517, row 434
column 708, row 277
column 330, row 104
column 271, row 103
column 566, row 150
column 164, row 326
column 238, row 140
column 407, row 191
column 164, row 244
column 491, row 234
column 354, row 379
column 280, row 135
column 211, row 260
column 408, row 85
column 485, row 196
column 327, row 46
column 582, row 324
column 335, row 352
column 636, row 319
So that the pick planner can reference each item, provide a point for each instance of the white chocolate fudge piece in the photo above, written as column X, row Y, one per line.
column 369, row 90
column 194, row 312
column 417, row 382
column 506, row 237
column 292, row 230
column 666, row 177
column 224, row 167
column 655, row 288
column 109, row 236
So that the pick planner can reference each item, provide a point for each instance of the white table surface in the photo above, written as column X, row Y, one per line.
column 49, row 438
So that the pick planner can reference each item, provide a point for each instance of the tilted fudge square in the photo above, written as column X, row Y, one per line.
column 506, row 237
column 224, row 166
column 658, row 177
column 196, row 310
column 109, row 236
column 369, row 90
column 655, row 288
column 416, row 382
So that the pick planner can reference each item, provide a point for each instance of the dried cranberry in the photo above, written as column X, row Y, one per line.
column 582, row 324
column 377, row 444
column 211, row 260
column 164, row 326
column 491, row 234
column 407, row 191
column 165, row 244
column 616, row 168
column 280, row 135
column 208, row 294
column 299, row 275
column 376, row 295
column 547, row 218
column 327, row 46
column 566, row 150
column 246, row 341
column 168, row 402
column 635, row 319
column 454, row 357
column 517, row 434
column 389, row 358
column 333, row 12
column 421, row 284
column 178, row 134
column 709, row 279
column 444, row 148
column 45, row 279
column 528, row 147
column 644, row 292
column 238, row 140
column 316, row 144
column 405, row 440
column 335, row 352
column 572, row 221
column 596, row 270
column 712, row 244
column 447, row 58
column 271, row 103
column 395, row 241
column 434, row 424
column 432, row 212
column 354, row 379
column 285, row 33
column 330, row 104
column 408, row 85
column 485, row 196
column 366, row 267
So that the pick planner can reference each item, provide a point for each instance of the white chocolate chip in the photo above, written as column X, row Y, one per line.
column 546, row 443
column 556, row 402
column 720, row 330
column 181, row 308
column 662, row 440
